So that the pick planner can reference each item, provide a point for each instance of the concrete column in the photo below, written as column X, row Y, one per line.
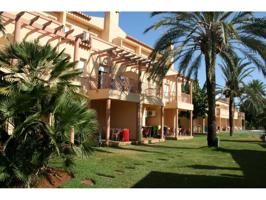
column 76, row 50
column 139, row 121
column 190, row 90
column 72, row 135
column 203, row 125
column 108, row 120
column 176, row 89
column 191, row 122
column 62, row 17
column 220, row 122
column 162, row 91
column 17, row 32
column 162, row 121
column 177, row 125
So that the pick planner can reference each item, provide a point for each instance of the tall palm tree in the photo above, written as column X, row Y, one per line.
column 234, row 75
column 254, row 99
column 195, row 36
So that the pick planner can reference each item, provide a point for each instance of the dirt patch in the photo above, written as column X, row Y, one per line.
column 88, row 182
column 54, row 179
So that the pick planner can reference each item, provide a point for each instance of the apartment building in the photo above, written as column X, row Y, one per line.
column 114, row 77
column 222, row 119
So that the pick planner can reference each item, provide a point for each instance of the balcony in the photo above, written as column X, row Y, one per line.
column 119, row 88
column 120, row 83
column 151, row 94
column 241, row 115
column 185, row 98
column 150, row 90
column 183, row 101
column 169, row 97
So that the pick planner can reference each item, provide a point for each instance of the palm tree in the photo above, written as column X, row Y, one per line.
column 206, row 35
column 234, row 75
column 253, row 102
column 36, row 92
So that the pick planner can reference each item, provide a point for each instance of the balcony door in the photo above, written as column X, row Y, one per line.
column 102, row 77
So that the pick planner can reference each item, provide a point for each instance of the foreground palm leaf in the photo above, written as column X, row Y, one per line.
column 40, row 101
column 195, row 36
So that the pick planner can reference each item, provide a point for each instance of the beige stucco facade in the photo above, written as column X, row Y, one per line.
column 222, row 119
column 114, row 67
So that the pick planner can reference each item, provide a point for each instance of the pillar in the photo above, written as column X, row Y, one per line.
column 108, row 120
column 191, row 122
column 17, row 32
column 190, row 90
column 139, row 122
column 72, row 135
column 162, row 122
column 220, row 122
column 176, row 90
column 62, row 17
column 177, row 125
column 203, row 125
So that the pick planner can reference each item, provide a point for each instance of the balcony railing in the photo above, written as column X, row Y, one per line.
column 241, row 115
column 150, row 90
column 121, row 83
column 171, row 97
column 184, row 98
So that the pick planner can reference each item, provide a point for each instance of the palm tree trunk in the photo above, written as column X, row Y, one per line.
column 231, row 116
column 210, row 80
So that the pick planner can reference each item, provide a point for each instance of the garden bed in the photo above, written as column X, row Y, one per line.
column 55, row 178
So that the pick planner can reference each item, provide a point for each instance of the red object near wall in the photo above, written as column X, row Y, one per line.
column 125, row 135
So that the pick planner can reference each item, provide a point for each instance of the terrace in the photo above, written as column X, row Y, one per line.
column 117, row 74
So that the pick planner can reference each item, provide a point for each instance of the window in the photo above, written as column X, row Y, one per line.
column 102, row 78
column 166, row 90
column 82, row 64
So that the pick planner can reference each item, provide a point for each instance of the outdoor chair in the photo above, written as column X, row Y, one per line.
column 146, row 132
column 116, row 134
column 181, row 131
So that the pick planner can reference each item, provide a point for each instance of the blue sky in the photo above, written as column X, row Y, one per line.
column 134, row 23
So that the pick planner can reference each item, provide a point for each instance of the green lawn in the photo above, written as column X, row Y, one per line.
column 239, row 162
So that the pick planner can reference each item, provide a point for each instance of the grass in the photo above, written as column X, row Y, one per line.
column 239, row 162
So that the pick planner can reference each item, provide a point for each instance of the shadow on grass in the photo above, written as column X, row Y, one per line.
column 251, row 162
column 244, row 141
column 212, row 167
column 253, row 165
column 157, row 179
column 170, row 147
column 101, row 150
column 263, row 145
column 139, row 150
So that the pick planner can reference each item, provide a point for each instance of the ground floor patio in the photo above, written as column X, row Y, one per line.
column 124, row 122
column 222, row 124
